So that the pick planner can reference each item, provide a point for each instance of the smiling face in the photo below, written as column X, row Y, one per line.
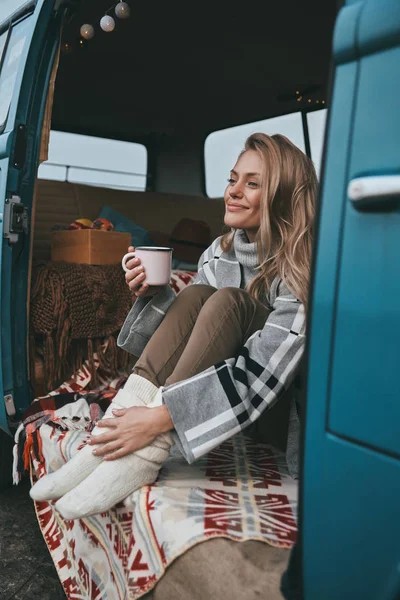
column 243, row 194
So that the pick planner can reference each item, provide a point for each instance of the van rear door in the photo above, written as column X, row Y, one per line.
column 351, row 489
column 28, row 42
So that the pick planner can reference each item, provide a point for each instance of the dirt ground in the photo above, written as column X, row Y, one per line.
column 26, row 568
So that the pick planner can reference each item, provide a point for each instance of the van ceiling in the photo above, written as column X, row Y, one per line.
column 182, row 68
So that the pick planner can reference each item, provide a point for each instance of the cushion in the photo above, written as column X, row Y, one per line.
column 140, row 237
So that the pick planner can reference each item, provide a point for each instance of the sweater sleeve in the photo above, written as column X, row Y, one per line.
column 143, row 319
column 147, row 314
column 214, row 405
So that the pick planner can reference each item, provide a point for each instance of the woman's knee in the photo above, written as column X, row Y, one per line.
column 230, row 295
column 225, row 299
column 194, row 294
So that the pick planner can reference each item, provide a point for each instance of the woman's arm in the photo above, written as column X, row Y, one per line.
column 147, row 313
column 143, row 319
column 223, row 400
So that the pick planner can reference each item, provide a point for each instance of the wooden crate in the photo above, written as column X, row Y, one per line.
column 89, row 246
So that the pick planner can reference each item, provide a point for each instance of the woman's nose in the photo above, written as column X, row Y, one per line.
column 236, row 190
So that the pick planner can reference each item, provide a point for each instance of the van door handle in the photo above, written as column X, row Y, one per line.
column 377, row 192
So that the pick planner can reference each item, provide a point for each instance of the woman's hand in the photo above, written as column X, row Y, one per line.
column 135, row 277
column 130, row 430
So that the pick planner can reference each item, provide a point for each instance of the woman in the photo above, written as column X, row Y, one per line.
column 214, row 358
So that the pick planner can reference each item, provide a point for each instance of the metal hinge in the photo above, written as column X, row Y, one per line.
column 15, row 219
column 10, row 406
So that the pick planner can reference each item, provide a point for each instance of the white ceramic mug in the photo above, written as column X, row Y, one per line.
column 156, row 261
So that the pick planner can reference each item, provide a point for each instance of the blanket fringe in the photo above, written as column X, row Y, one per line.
column 16, row 475
column 27, row 451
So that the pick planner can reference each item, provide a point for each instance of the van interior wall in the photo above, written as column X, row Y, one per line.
column 60, row 203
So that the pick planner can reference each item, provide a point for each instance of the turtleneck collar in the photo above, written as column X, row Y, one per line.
column 246, row 252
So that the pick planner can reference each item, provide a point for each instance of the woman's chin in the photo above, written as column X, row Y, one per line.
column 231, row 221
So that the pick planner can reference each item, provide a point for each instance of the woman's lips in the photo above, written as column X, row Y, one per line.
column 234, row 207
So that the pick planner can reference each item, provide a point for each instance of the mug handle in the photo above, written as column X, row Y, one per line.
column 125, row 259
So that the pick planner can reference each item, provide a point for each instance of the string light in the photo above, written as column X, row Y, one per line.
column 107, row 23
column 87, row 31
column 66, row 48
column 122, row 10
column 82, row 44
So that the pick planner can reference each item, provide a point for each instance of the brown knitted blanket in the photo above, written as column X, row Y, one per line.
column 77, row 310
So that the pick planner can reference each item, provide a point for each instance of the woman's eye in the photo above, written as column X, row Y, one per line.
column 231, row 181
column 254, row 184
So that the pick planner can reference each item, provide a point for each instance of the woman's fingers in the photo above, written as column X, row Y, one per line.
column 142, row 290
column 107, row 423
column 137, row 284
column 107, row 448
column 117, row 454
column 119, row 412
column 132, row 263
column 133, row 272
column 135, row 279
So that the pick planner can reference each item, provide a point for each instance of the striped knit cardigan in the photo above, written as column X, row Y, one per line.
column 241, row 388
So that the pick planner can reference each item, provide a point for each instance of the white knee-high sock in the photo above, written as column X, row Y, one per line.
column 113, row 481
column 136, row 392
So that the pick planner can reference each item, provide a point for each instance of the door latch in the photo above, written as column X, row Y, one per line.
column 15, row 219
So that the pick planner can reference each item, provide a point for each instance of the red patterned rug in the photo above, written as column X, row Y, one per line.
column 240, row 491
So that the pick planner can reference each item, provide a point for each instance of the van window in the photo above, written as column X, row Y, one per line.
column 95, row 161
column 222, row 147
column 10, row 66
column 316, row 122
column 8, row 7
column 3, row 39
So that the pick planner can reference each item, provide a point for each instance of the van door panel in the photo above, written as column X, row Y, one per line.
column 36, row 36
column 351, row 479
column 364, row 403
column 4, row 358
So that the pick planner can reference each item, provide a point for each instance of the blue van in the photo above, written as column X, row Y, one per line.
column 168, row 83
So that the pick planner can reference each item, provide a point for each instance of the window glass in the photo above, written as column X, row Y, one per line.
column 3, row 39
column 95, row 161
column 223, row 147
column 9, row 71
column 316, row 121
column 8, row 7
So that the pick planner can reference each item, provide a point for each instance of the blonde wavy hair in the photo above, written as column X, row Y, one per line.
column 284, row 239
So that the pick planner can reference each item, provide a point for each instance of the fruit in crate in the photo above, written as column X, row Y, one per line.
column 81, row 224
column 103, row 225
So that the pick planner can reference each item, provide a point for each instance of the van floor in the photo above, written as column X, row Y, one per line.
column 26, row 568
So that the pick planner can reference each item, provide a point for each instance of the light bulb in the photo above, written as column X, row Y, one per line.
column 66, row 48
column 87, row 31
column 122, row 10
column 107, row 23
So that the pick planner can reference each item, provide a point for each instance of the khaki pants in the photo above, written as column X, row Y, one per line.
column 203, row 327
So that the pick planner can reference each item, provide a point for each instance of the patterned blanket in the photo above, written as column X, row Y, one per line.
column 240, row 491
